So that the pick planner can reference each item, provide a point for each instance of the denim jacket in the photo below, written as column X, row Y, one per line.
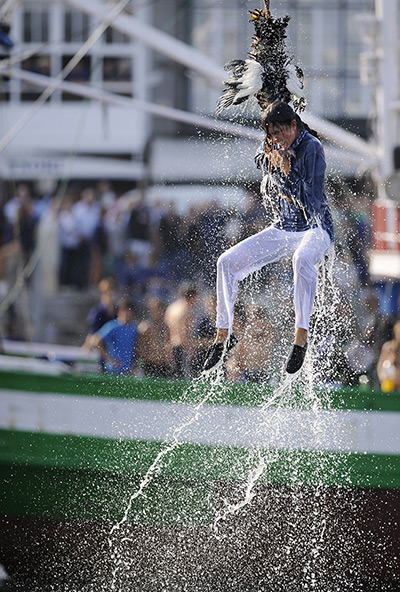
column 302, row 199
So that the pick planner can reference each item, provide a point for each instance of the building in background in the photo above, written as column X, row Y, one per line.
column 84, row 137
column 328, row 40
column 72, row 135
column 325, row 36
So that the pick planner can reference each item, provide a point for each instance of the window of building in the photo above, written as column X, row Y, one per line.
column 117, row 75
column 300, row 36
column 356, row 102
column 111, row 35
column 4, row 88
column 331, row 21
column 324, row 95
column 355, row 44
column 35, row 23
column 81, row 74
column 38, row 65
column 320, row 35
column 202, row 33
column 76, row 26
column 230, row 39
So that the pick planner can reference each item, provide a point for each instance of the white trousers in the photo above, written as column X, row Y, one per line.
column 271, row 244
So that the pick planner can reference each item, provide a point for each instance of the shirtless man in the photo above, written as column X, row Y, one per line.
column 179, row 319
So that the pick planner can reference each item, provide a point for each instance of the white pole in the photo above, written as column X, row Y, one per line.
column 115, row 99
column 7, row 10
column 387, row 89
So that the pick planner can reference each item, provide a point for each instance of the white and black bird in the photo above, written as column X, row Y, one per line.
column 268, row 73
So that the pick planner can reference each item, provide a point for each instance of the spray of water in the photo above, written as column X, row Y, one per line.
column 263, row 461
column 305, row 539
column 318, row 370
column 216, row 374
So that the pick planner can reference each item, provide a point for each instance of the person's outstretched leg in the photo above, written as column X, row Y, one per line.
column 235, row 264
column 314, row 245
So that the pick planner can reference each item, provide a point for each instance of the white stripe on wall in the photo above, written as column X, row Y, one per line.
column 355, row 431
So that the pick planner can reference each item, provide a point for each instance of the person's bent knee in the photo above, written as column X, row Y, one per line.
column 223, row 260
column 301, row 260
column 303, row 265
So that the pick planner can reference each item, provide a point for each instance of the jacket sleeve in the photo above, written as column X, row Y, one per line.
column 259, row 156
column 314, row 176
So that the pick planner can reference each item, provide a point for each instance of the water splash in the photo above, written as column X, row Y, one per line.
column 229, row 508
column 217, row 375
column 309, row 522
column 317, row 371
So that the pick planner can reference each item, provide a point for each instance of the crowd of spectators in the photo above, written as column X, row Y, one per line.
column 150, row 251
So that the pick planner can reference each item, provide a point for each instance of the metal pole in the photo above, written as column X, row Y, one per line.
column 387, row 87
column 7, row 10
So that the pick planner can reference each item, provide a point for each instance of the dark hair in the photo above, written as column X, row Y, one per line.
column 188, row 290
column 126, row 304
column 281, row 112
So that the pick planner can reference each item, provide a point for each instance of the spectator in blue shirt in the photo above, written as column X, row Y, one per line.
column 117, row 340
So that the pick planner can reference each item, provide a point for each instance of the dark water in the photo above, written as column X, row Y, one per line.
column 63, row 587
column 275, row 544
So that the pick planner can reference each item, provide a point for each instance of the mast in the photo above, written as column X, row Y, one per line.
column 387, row 85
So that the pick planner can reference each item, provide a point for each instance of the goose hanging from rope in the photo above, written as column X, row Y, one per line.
column 268, row 74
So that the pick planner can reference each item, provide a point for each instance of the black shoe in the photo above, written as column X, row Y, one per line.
column 219, row 350
column 296, row 359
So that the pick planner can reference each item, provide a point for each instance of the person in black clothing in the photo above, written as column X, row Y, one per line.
column 100, row 247
column 138, row 231
column 25, row 229
column 171, row 242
